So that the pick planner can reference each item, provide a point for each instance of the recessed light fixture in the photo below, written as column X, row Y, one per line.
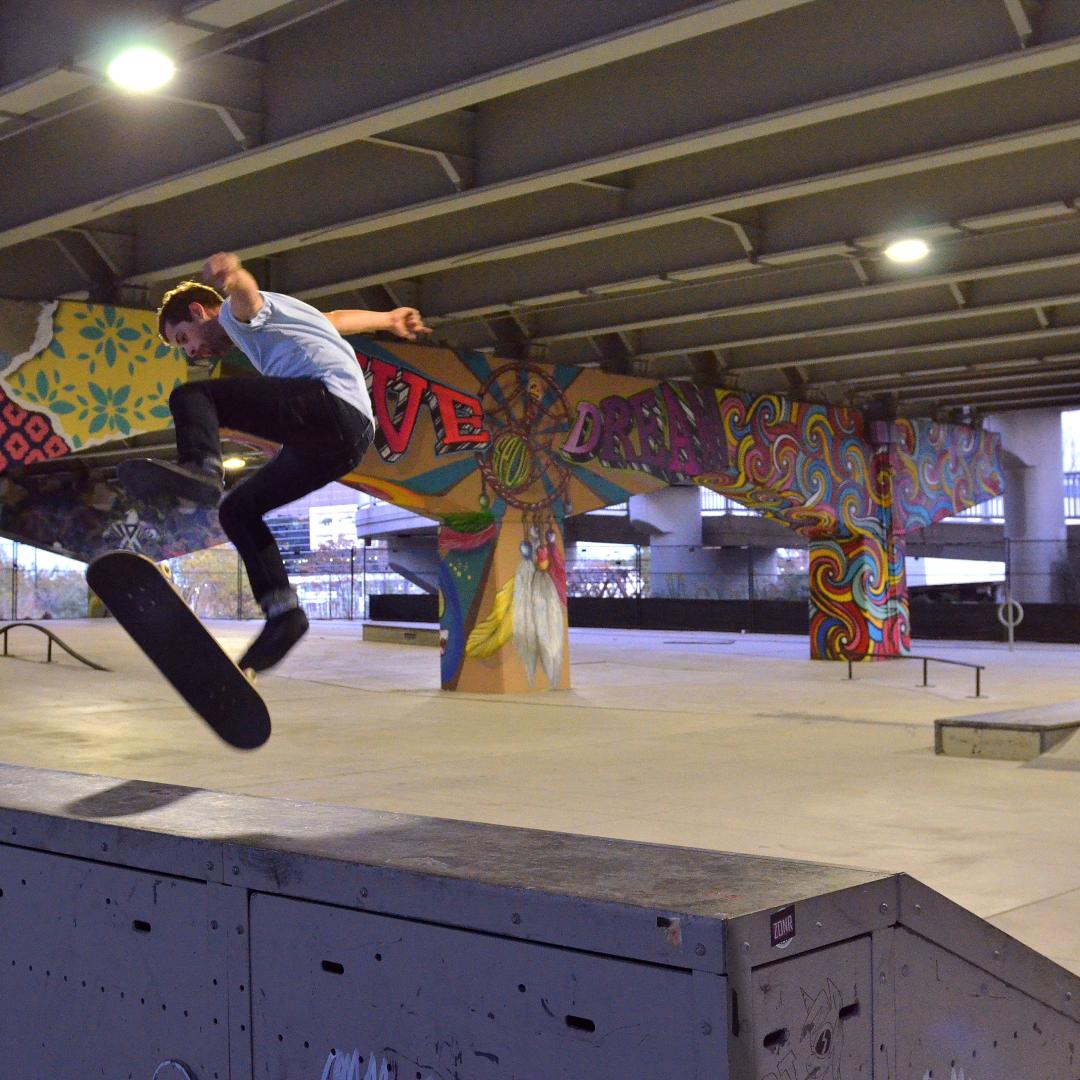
column 233, row 463
column 909, row 249
column 141, row 69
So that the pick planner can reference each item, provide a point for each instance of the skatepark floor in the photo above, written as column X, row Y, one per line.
column 734, row 742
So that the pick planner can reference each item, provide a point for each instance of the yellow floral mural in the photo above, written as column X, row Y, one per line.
column 103, row 376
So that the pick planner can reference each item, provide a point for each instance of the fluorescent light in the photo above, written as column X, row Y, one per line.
column 233, row 463
column 907, row 250
column 141, row 69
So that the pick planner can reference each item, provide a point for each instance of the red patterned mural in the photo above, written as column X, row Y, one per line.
column 26, row 437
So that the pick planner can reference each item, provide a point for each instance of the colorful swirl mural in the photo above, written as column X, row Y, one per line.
column 853, row 489
column 858, row 604
column 808, row 466
column 941, row 469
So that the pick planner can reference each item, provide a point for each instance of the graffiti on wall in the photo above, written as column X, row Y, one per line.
column 672, row 432
column 74, row 376
column 815, row 1050
column 500, row 453
column 854, row 490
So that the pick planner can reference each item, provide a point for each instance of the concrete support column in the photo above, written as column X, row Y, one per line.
column 672, row 516
column 502, row 592
column 858, row 599
column 1034, row 503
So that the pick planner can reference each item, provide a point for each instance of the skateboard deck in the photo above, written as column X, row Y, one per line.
column 149, row 608
column 152, row 480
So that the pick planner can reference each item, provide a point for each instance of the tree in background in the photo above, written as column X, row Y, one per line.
column 28, row 591
column 211, row 581
column 330, row 580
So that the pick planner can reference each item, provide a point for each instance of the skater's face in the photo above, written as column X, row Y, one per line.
column 200, row 336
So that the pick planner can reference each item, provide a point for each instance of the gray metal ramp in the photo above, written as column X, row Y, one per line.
column 246, row 937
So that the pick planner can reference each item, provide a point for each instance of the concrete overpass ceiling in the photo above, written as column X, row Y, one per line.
column 655, row 186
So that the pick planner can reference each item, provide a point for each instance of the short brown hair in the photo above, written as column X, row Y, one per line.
column 175, row 304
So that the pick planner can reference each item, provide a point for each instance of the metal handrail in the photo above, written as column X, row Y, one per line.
column 52, row 638
column 979, row 668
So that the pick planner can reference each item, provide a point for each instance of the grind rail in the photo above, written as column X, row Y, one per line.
column 926, row 660
column 53, row 638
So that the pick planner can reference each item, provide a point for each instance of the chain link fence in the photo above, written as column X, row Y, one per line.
column 734, row 573
column 950, row 583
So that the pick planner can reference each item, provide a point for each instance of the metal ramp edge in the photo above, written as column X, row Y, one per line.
column 245, row 936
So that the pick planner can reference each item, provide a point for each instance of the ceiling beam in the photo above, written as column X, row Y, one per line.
column 966, row 379
column 974, row 394
column 1018, row 16
column 832, row 296
column 908, row 165
column 1035, row 306
column 895, row 351
column 704, row 18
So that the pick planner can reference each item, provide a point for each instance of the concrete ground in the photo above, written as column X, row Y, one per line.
column 723, row 741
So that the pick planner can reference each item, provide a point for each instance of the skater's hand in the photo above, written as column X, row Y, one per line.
column 406, row 323
column 225, row 272
column 403, row 321
column 219, row 268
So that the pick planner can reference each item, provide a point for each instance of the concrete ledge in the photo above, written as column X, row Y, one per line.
column 1011, row 735
column 399, row 634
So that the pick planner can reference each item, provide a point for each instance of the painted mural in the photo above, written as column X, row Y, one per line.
column 501, row 453
column 504, row 453
column 74, row 376
column 854, row 490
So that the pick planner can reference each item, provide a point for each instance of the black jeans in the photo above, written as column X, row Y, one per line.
column 321, row 437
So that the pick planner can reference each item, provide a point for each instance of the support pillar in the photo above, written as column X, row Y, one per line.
column 1035, row 531
column 678, row 565
column 502, row 592
column 858, row 599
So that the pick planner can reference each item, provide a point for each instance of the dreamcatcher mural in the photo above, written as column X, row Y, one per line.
column 523, row 484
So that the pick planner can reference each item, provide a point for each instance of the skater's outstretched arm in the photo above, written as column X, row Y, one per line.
column 225, row 272
column 403, row 321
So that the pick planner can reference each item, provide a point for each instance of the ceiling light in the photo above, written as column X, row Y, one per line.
column 141, row 69
column 233, row 463
column 909, row 249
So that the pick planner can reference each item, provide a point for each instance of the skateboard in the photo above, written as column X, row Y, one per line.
column 150, row 479
column 149, row 608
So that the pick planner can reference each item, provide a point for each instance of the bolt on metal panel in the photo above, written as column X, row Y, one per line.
column 105, row 971
column 434, row 1002
column 955, row 1019
column 939, row 919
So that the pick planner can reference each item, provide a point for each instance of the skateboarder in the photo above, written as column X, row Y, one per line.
column 312, row 399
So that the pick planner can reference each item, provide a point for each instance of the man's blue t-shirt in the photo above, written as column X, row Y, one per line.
column 289, row 339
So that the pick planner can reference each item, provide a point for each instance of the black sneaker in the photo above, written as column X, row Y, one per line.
column 277, row 637
column 146, row 478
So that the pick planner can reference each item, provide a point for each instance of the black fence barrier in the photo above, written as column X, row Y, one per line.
column 979, row 622
column 404, row 607
column 669, row 613
column 933, row 621
column 636, row 613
